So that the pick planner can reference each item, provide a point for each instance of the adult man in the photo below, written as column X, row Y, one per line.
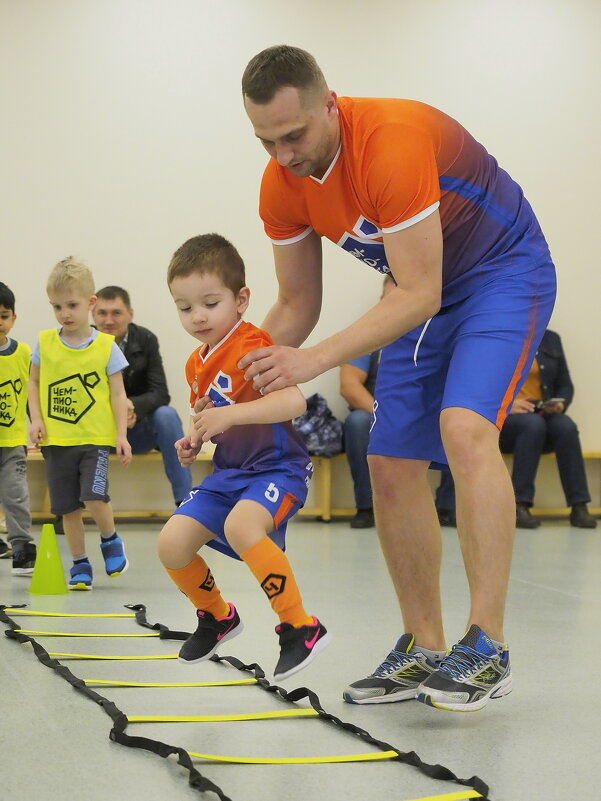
column 391, row 181
column 151, row 422
column 357, row 384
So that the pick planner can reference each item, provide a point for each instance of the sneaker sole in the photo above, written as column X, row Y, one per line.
column 22, row 571
column 118, row 572
column 504, row 687
column 319, row 647
column 80, row 586
column 229, row 636
column 391, row 698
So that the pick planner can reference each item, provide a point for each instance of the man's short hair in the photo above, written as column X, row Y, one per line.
column 71, row 274
column 7, row 297
column 279, row 66
column 114, row 292
column 209, row 253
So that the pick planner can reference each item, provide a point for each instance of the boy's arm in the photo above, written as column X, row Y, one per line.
column 119, row 404
column 277, row 407
column 37, row 432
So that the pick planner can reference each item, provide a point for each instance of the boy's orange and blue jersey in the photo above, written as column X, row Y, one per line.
column 398, row 162
column 266, row 463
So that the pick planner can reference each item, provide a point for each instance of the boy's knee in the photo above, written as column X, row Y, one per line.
column 169, row 546
column 162, row 544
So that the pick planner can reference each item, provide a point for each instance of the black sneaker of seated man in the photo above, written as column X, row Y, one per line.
column 524, row 518
column 363, row 519
column 447, row 517
column 581, row 518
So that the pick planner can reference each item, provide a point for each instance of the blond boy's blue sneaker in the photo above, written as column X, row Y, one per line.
column 81, row 576
column 115, row 560
column 472, row 673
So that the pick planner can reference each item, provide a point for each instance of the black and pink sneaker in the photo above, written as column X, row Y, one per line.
column 299, row 646
column 209, row 635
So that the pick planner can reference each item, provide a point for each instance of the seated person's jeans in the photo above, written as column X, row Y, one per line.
column 356, row 440
column 161, row 429
column 527, row 436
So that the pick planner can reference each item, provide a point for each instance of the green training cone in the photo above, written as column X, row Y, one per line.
column 48, row 577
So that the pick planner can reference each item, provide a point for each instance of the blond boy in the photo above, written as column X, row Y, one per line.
column 78, row 412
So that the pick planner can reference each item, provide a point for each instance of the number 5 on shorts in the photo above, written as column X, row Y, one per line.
column 272, row 493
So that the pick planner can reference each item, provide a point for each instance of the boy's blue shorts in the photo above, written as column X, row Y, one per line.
column 210, row 503
column 474, row 354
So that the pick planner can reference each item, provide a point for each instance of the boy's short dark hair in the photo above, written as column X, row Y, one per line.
column 209, row 253
column 279, row 66
column 7, row 297
column 114, row 292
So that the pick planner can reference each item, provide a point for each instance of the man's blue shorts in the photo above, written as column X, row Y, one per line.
column 210, row 503
column 474, row 354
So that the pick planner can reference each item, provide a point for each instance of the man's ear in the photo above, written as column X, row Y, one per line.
column 243, row 300
column 93, row 301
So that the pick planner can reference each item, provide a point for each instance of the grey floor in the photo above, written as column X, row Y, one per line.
column 541, row 742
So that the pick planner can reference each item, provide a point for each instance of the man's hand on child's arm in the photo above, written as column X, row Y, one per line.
column 37, row 432
column 123, row 449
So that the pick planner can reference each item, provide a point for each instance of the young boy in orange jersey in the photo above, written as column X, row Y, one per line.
column 261, row 467
column 78, row 411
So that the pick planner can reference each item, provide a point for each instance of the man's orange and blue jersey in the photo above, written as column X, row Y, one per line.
column 267, row 464
column 400, row 160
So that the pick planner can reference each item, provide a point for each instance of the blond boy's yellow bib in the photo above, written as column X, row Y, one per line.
column 75, row 394
column 14, row 375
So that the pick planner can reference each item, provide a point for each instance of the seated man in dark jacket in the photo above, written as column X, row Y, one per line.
column 151, row 422
column 536, row 424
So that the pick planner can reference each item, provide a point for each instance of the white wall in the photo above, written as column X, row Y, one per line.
column 123, row 134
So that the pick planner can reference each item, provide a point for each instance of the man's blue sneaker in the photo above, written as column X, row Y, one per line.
column 471, row 673
column 115, row 560
column 81, row 576
column 396, row 679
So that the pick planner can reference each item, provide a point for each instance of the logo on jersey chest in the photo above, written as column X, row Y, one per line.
column 9, row 401
column 220, row 389
column 70, row 398
column 365, row 243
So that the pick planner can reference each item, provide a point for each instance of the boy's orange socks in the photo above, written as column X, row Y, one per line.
column 196, row 581
column 270, row 566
